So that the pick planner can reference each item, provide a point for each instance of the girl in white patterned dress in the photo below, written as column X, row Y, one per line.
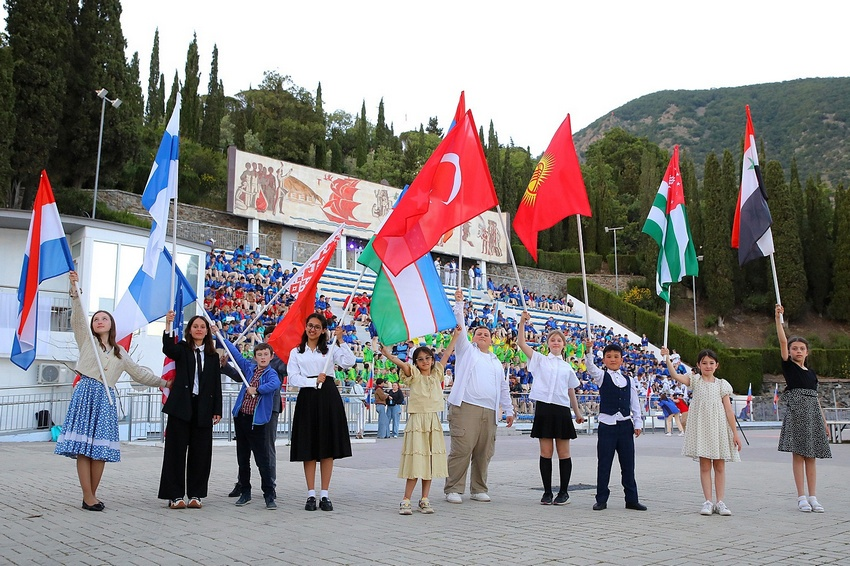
column 711, row 435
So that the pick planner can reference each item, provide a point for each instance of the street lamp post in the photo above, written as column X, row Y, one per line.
column 616, row 270
column 115, row 104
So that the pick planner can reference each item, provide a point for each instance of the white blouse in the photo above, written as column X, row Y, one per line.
column 553, row 378
column 302, row 368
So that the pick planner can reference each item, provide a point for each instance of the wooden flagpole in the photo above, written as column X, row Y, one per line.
column 96, row 351
column 511, row 254
column 666, row 319
column 776, row 286
column 583, row 275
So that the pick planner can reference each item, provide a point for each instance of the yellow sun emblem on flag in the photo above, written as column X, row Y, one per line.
column 543, row 170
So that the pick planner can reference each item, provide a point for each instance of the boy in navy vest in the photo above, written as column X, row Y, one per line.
column 619, row 423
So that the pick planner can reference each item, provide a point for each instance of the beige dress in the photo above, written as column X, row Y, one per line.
column 423, row 453
column 708, row 434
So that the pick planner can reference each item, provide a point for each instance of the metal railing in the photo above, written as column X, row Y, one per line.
column 227, row 238
column 301, row 251
column 19, row 412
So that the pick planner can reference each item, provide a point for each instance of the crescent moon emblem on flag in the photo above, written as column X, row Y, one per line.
column 456, row 182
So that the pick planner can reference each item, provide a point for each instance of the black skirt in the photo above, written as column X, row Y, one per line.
column 552, row 421
column 319, row 425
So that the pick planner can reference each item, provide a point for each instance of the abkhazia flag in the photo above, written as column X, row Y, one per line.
column 46, row 256
column 667, row 224
column 751, row 233
column 161, row 188
column 410, row 304
column 287, row 334
column 148, row 298
column 556, row 190
column 453, row 187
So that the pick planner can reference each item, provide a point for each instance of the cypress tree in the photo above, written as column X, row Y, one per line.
column 39, row 35
column 817, row 244
column 362, row 129
column 190, row 109
column 718, row 260
column 381, row 130
column 154, row 106
column 790, row 271
column 797, row 196
column 172, row 98
column 7, row 122
column 160, row 96
column 213, row 106
column 492, row 151
column 839, row 307
column 321, row 154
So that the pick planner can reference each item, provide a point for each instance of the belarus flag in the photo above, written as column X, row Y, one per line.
column 46, row 256
column 667, row 224
column 751, row 234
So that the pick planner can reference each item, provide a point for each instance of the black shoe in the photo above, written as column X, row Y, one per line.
column 237, row 490
column 244, row 499
column 96, row 507
column 636, row 506
column 326, row 505
column 599, row 506
column 562, row 498
column 546, row 499
column 311, row 504
column 270, row 504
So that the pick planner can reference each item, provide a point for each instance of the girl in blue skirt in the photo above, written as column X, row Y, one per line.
column 90, row 431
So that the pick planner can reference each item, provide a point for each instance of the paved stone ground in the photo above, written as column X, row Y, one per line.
column 42, row 522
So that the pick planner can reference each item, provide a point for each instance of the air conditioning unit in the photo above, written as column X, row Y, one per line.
column 52, row 374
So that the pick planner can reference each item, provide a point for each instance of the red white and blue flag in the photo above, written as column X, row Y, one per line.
column 169, row 366
column 46, row 256
column 648, row 396
column 751, row 234
column 776, row 399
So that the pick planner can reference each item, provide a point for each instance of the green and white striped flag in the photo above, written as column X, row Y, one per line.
column 668, row 225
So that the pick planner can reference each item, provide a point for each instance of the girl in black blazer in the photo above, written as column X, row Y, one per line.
column 193, row 407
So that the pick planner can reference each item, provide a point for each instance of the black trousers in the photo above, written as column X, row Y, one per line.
column 617, row 438
column 250, row 439
column 187, row 458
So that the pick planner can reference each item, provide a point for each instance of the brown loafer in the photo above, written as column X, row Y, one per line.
column 195, row 503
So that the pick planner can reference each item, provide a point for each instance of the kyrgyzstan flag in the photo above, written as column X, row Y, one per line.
column 556, row 190
column 303, row 286
column 453, row 187
column 751, row 233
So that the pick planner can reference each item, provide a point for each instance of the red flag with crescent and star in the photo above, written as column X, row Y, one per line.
column 556, row 190
column 453, row 187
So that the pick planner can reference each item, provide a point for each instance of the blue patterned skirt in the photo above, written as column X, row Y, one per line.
column 91, row 425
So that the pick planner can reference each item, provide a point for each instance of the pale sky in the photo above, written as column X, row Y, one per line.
column 524, row 65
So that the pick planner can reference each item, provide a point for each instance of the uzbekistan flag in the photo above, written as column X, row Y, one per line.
column 46, row 256
column 147, row 298
column 668, row 225
column 751, row 234
column 161, row 188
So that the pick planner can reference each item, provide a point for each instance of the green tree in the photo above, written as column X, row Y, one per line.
column 172, row 98
column 155, row 106
column 362, row 128
column 493, row 152
column 718, row 263
column 790, row 270
column 383, row 136
column 692, row 202
column 7, row 122
column 321, row 159
column 213, row 107
column 839, row 307
column 797, row 196
column 433, row 127
column 190, row 109
column 817, row 244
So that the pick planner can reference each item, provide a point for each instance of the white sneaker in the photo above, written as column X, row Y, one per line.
column 669, row 434
column 707, row 508
column 681, row 434
column 405, row 508
column 482, row 497
column 453, row 498
column 722, row 510
column 803, row 504
column 816, row 506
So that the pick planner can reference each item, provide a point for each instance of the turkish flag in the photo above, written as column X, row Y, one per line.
column 556, row 190
column 453, row 187
column 289, row 330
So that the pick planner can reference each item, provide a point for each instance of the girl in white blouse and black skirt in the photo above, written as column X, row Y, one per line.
column 319, row 425
column 553, row 391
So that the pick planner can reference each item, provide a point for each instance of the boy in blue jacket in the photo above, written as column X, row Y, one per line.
column 251, row 414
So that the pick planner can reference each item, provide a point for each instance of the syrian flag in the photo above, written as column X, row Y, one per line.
column 751, row 234
column 668, row 225
column 46, row 256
